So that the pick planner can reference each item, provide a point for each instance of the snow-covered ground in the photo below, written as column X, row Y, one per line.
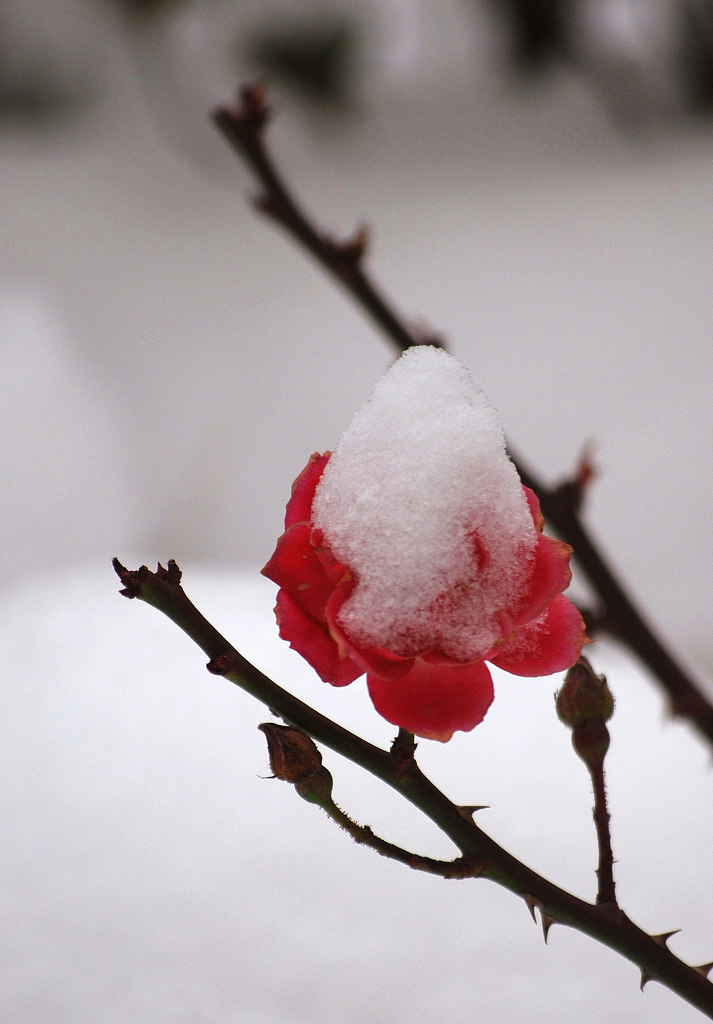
column 153, row 872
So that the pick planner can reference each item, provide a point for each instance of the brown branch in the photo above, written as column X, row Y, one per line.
column 618, row 611
column 481, row 856
column 606, row 892
column 243, row 126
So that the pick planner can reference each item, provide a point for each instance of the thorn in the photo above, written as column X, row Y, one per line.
column 571, row 492
column 531, row 904
column 354, row 247
column 546, row 921
column 468, row 810
column 662, row 939
column 645, row 977
column 704, row 969
column 267, row 204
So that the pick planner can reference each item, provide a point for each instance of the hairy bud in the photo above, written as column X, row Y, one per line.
column 585, row 698
column 585, row 704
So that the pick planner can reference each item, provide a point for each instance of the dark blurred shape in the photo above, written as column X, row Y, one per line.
column 318, row 57
column 39, row 86
column 146, row 9
column 649, row 62
column 40, row 99
column 539, row 30
column 696, row 54
column 642, row 74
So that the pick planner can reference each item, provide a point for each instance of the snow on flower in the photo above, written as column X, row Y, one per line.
column 414, row 554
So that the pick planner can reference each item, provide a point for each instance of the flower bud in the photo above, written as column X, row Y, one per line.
column 585, row 703
column 585, row 698
column 293, row 754
column 295, row 758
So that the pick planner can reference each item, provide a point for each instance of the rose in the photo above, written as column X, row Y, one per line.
column 429, row 692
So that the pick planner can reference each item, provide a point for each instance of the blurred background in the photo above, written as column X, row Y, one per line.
column 538, row 181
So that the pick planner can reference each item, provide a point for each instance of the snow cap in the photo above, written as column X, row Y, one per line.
column 421, row 501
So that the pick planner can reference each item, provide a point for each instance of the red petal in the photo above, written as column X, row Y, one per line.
column 297, row 568
column 550, row 643
column 313, row 642
column 372, row 659
column 433, row 700
column 534, row 505
column 550, row 576
column 299, row 507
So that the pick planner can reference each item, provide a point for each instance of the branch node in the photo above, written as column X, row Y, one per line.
column 133, row 579
column 403, row 751
column 171, row 574
column 250, row 111
column 221, row 664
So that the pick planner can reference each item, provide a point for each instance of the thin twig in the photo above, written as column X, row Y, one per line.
column 243, row 125
column 461, row 867
column 585, row 704
column 606, row 923
column 606, row 892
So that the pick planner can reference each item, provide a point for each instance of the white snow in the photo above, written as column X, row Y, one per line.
column 419, row 471
column 154, row 874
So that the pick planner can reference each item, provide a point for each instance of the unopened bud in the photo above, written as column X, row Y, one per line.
column 293, row 754
column 294, row 758
column 585, row 698
column 585, row 703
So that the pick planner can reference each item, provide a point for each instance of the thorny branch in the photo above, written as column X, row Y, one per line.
column 480, row 855
column 243, row 125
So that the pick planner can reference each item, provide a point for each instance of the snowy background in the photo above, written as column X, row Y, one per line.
column 168, row 363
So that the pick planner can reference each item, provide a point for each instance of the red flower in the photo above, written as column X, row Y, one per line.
column 427, row 693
